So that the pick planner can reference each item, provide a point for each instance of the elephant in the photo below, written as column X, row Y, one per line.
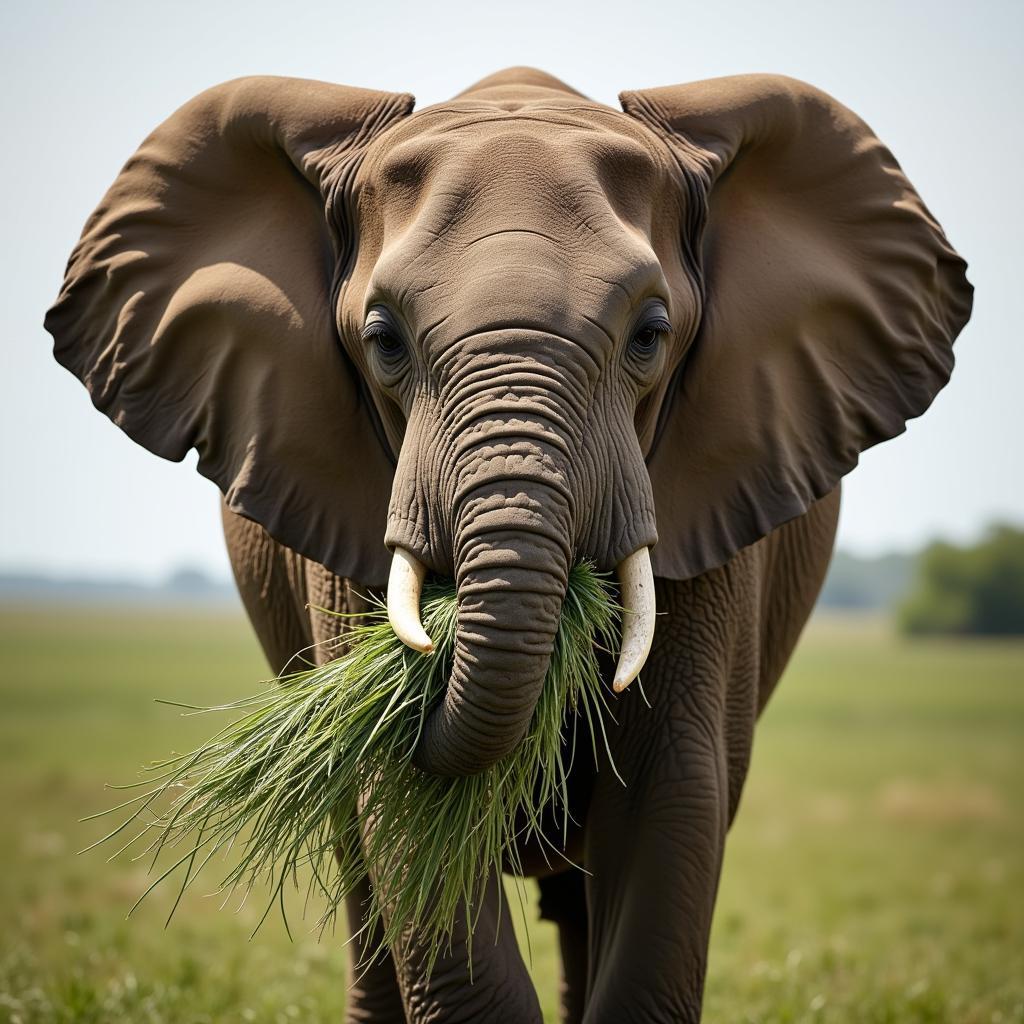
column 492, row 337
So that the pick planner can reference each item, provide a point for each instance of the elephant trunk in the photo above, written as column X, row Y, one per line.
column 511, row 568
column 501, row 483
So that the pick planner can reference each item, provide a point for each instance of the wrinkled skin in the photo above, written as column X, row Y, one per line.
column 503, row 334
column 654, row 849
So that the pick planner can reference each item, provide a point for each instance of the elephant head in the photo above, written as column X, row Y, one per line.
column 510, row 331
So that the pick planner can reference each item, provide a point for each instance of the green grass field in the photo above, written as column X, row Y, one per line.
column 876, row 873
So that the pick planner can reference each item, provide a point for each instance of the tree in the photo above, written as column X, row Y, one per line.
column 976, row 590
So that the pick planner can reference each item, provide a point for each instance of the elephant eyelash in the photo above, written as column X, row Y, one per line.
column 375, row 329
column 657, row 327
column 388, row 342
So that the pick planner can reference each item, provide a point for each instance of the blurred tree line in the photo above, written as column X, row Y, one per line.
column 977, row 589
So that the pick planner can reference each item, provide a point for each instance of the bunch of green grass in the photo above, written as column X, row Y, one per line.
column 313, row 777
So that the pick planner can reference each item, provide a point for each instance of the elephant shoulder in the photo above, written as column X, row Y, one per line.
column 271, row 581
column 795, row 561
column 293, row 603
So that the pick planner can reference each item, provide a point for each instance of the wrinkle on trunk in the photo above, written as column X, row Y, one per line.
column 500, row 479
column 511, row 574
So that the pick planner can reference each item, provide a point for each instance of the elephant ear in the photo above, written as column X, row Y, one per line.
column 832, row 300
column 198, row 310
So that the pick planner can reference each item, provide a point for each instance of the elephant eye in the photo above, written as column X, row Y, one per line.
column 386, row 343
column 384, row 338
column 389, row 354
column 648, row 335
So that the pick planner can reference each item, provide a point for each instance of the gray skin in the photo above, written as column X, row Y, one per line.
column 633, row 931
column 506, row 333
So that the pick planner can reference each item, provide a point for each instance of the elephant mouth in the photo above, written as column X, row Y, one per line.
column 636, row 588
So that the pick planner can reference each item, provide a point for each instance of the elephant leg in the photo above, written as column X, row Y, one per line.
column 652, row 893
column 373, row 993
column 654, row 846
column 482, row 982
column 563, row 900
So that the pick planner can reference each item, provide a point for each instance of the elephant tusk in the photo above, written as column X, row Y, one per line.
column 404, row 586
column 636, row 585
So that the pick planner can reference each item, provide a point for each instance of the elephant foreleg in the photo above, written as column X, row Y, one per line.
column 656, row 856
column 654, row 846
column 483, row 982
column 373, row 994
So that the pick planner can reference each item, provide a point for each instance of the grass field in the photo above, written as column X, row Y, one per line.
column 876, row 873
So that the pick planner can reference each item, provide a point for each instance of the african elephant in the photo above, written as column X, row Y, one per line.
column 494, row 336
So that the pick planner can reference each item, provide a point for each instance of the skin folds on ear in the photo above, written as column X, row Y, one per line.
column 197, row 310
column 832, row 300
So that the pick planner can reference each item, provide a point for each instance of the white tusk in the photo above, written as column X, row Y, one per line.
column 636, row 586
column 404, row 586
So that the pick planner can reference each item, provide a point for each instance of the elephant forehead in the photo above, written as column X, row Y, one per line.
column 548, row 159
column 538, row 222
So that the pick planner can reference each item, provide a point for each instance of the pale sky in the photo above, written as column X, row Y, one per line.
column 941, row 84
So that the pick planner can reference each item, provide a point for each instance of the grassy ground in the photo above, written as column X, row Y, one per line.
column 876, row 873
